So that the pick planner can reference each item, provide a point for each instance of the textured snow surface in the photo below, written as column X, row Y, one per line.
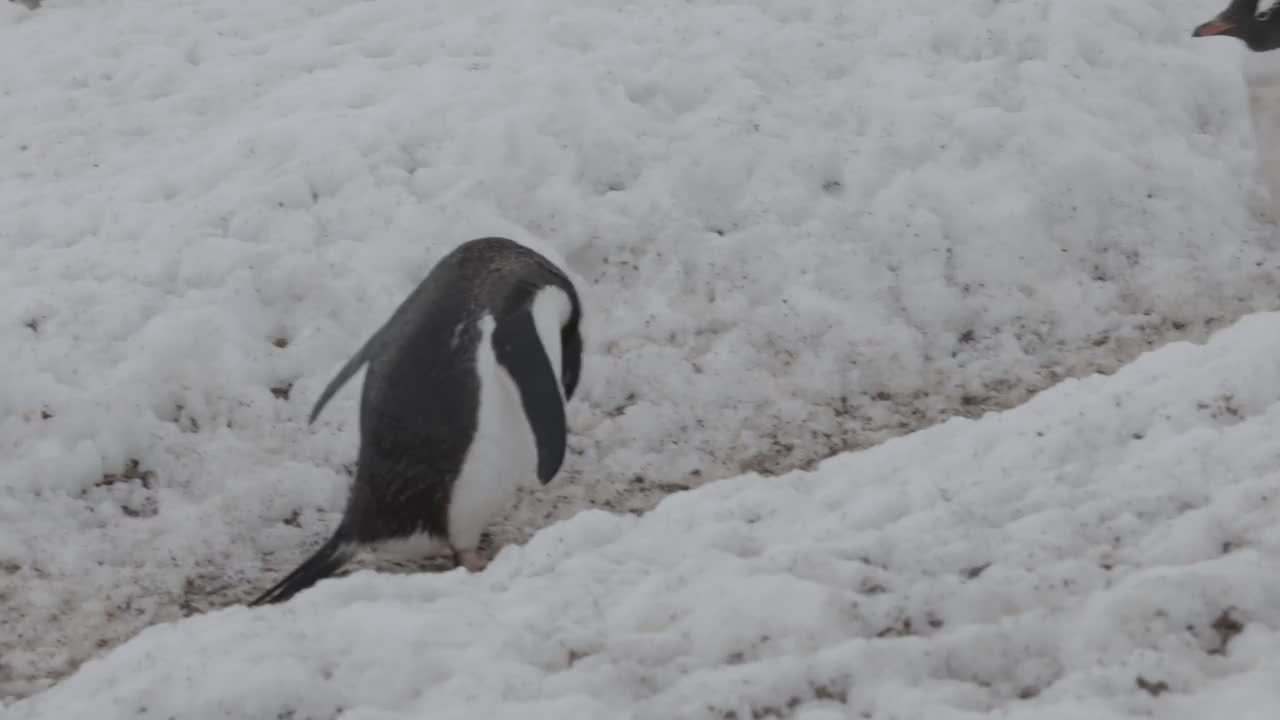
column 1108, row 550
column 804, row 226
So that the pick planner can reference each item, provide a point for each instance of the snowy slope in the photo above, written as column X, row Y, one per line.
column 1262, row 78
column 1108, row 550
column 807, row 225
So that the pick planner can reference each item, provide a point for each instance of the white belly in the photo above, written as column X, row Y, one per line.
column 503, row 455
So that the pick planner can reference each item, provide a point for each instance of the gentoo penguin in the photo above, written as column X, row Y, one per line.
column 1260, row 31
column 463, row 402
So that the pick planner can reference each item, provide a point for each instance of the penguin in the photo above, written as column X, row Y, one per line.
column 463, row 402
column 1260, row 31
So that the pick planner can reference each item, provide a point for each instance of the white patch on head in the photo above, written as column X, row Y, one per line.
column 551, row 309
column 503, row 455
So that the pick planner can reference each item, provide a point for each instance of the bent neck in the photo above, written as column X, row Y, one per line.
column 1261, row 36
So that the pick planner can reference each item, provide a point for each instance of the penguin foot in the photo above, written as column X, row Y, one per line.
column 470, row 559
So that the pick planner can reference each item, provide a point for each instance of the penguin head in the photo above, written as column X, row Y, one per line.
column 556, row 272
column 1260, row 31
column 571, row 351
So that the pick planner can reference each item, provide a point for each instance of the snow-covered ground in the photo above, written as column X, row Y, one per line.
column 806, row 225
column 1108, row 550
column 1262, row 78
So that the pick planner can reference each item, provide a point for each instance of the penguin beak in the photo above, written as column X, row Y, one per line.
column 1213, row 27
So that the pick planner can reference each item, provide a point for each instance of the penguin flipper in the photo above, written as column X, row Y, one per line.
column 362, row 356
column 326, row 561
column 519, row 351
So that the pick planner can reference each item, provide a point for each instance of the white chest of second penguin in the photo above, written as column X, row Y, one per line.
column 503, row 454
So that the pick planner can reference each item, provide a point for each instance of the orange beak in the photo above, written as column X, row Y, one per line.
column 1213, row 27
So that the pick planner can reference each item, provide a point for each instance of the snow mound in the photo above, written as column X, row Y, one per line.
column 805, row 226
column 1108, row 550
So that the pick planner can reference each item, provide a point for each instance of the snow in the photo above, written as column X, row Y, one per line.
column 1262, row 77
column 1050, row 561
column 802, row 227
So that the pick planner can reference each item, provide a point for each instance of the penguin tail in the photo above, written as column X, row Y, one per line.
column 330, row 558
